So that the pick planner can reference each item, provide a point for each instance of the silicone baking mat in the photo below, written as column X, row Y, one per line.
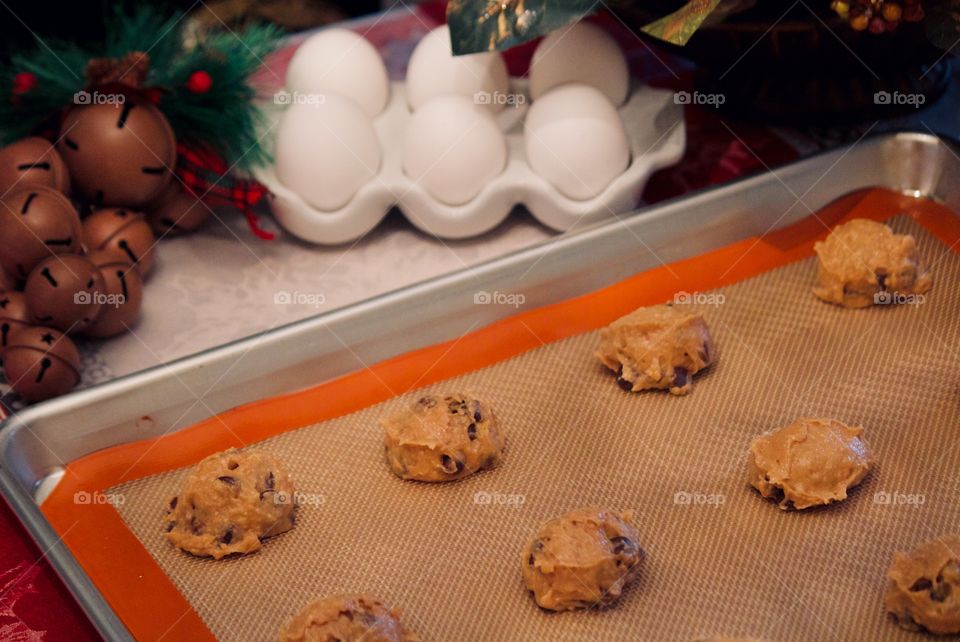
column 720, row 559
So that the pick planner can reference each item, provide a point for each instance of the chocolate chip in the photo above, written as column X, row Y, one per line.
column 477, row 412
column 269, row 482
column 623, row 545
column 227, row 536
column 173, row 503
column 923, row 584
column 427, row 402
column 940, row 593
column 229, row 481
column 472, row 431
column 450, row 465
column 530, row 559
column 882, row 280
column 232, row 465
column 680, row 377
column 624, row 384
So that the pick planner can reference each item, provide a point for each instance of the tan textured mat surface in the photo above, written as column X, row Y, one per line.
column 720, row 558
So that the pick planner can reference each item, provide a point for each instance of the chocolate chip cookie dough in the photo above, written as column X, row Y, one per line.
column 923, row 587
column 582, row 559
column 229, row 503
column 863, row 262
column 811, row 462
column 443, row 437
column 657, row 347
column 347, row 618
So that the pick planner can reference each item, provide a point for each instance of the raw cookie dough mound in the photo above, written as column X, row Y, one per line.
column 863, row 262
column 230, row 502
column 443, row 437
column 347, row 618
column 923, row 587
column 658, row 347
column 582, row 559
column 811, row 462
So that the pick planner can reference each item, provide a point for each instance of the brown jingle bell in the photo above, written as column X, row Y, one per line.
column 65, row 292
column 123, row 230
column 13, row 315
column 41, row 363
column 35, row 223
column 118, row 152
column 123, row 291
column 176, row 211
column 8, row 283
column 32, row 161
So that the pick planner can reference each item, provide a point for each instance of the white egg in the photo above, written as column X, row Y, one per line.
column 580, row 53
column 574, row 138
column 453, row 148
column 326, row 151
column 434, row 71
column 339, row 61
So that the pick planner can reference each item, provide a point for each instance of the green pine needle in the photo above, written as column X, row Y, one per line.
column 223, row 119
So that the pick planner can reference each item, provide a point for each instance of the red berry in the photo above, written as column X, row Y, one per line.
column 24, row 82
column 199, row 82
column 154, row 95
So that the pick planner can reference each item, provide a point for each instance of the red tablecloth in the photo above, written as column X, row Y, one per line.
column 35, row 604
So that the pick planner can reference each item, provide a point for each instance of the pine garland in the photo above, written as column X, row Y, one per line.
column 220, row 118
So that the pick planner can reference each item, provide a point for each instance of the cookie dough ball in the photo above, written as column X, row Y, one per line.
column 811, row 462
column 347, row 618
column 229, row 503
column 442, row 438
column 582, row 559
column 657, row 347
column 923, row 587
column 863, row 262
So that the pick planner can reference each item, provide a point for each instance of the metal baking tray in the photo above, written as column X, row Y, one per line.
column 36, row 443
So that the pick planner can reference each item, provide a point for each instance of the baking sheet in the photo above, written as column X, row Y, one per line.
column 720, row 559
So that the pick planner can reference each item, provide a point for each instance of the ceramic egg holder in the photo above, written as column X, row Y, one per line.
column 656, row 136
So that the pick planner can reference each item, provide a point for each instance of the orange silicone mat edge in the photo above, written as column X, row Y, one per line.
column 147, row 601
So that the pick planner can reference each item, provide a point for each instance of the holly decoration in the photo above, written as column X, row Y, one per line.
column 24, row 82
column 877, row 16
column 487, row 26
column 200, row 82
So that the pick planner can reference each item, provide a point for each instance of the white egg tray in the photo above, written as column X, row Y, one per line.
column 656, row 134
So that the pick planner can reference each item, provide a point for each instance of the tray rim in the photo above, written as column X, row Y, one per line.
column 20, row 491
